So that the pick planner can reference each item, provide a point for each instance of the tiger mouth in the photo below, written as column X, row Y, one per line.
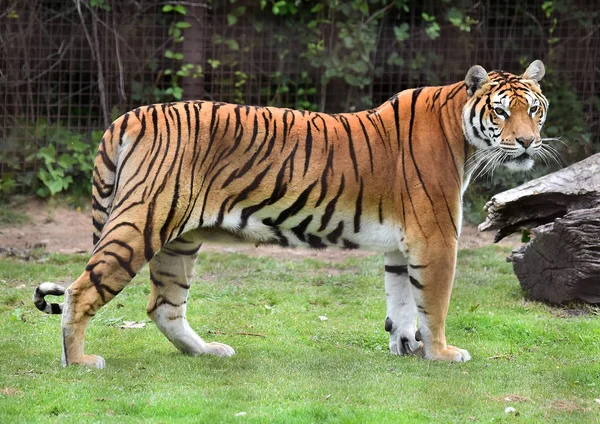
column 519, row 159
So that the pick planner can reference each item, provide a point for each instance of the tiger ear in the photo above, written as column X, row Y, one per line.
column 476, row 77
column 535, row 71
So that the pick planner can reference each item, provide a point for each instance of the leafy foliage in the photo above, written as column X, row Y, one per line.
column 64, row 164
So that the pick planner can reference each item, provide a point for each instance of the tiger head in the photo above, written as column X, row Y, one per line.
column 504, row 115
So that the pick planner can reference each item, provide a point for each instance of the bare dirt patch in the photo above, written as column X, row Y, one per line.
column 57, row 228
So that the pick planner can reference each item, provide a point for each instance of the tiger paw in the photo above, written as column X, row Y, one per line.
column 405, row 343
column 449, row 354
column 219, row 349
column 91, row 361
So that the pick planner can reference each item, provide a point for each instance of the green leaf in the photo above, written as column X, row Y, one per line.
column 177, row 93
column 427, row 18
column 183, row 25
column 66, row 161
column 231, row 19
column 180, row 9
column 48, row 154
column 433, row 31
column 232, row 45
column 401, row 32
column 455, row 16
column 395, row 59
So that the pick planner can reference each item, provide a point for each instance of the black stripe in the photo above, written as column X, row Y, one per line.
column 300, row 229
column 207, row 192
column 97, row 224
column 330, row 208
column 307, row 147
column 328, row 167
column 284, row 129
column 123, row 128
column 346, row 125
column 450, row 213
column 250, row 188
column 156, row 281
column 335, row 234
column 271, row 143
column 358, row 212
column 221, row 215
column 296, row 206
column 395, row 103
column 315, row 242
column 102, row 187
column 148, row 232
column 367, row 140
column 123, row 263
column 254, row 133
column 349, row 244
column 104, row 155
column 397, row 269
column 415, row 282
column 376, row 127
column 182, row 285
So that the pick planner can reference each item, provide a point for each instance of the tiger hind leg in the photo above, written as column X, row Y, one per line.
column 401, row 317
column 112, row 266
column 171, row 271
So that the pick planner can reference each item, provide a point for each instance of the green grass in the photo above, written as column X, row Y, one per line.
column 303, row 369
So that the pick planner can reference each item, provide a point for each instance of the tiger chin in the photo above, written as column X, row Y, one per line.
column 170, row 177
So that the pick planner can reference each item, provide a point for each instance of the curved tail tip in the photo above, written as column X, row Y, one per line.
column 42, row 291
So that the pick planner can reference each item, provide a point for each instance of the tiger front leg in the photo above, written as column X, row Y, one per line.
column 401, row 318
column 431, row 275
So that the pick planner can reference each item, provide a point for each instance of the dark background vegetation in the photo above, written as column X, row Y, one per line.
column 69, row 67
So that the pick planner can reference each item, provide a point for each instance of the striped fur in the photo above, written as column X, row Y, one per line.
column 170, row 177
column 44, row 290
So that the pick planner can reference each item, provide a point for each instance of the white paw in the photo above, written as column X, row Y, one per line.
column 403, row 342
column 219, row 349
column 99, row 363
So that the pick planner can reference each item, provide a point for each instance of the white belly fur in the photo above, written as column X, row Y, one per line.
column 372, row 236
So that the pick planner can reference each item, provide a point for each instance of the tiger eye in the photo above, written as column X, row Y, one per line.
column 500, row 112
column 533, row 109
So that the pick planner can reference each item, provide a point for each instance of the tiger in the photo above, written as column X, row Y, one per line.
column 169, row 177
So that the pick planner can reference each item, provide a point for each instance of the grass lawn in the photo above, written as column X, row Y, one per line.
column 543, row 361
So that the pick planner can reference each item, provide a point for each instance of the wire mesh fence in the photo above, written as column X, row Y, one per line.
column 70, row 67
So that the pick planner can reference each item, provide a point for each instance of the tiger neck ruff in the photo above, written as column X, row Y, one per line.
column 170, row 177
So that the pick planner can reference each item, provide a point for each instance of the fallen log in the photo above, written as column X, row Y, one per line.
column 562, row 262
column 544, row 199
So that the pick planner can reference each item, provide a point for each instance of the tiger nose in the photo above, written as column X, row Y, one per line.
column 525, row 142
